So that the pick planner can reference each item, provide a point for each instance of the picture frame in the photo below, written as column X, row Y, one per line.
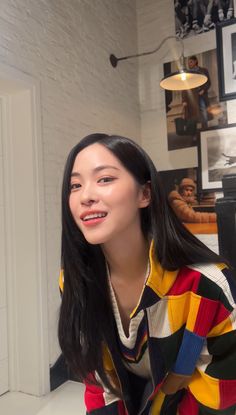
column 176, row 113
column 196, row 18
column 172, row 178
column 216, row 156
column 203, row 202
column 226, row 58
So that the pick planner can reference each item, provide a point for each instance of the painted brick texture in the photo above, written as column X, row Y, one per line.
column 66, row 46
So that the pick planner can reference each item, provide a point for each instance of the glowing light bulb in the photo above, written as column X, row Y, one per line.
column 183, row 76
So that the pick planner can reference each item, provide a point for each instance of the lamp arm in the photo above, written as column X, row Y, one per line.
column 114, row 60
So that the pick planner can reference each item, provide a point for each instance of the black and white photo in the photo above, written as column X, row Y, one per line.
column 189, row 111
column 217, row 156
column 226, row 59
column 193, row 17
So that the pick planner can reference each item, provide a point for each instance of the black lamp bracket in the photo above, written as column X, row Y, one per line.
column 114, row 60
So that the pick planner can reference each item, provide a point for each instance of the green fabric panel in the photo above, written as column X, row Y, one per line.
column 223, row 365
column 211, row 290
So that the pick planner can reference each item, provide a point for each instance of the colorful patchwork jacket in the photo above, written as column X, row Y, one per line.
column 189, row 330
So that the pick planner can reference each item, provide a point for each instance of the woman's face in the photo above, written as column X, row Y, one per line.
column 105, row 198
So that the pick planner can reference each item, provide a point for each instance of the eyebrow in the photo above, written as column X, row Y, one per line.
column 96, row 169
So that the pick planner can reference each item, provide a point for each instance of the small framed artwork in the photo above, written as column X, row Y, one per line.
column 200, row 16
column 217, row 156
column 172, row 178
column 183, row 121
column 226, row 59
column 181, row 187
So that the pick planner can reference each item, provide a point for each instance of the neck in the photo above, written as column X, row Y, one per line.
column 127, row 259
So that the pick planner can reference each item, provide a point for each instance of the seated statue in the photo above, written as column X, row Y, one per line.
column 182, row 202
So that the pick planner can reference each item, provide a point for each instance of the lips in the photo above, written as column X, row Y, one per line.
column 88, row 216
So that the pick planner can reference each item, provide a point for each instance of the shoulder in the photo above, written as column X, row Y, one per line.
column 214, row 281
column 204, row 70
column 173, row 195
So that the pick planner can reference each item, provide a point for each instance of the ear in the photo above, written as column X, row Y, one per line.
column 145, row 195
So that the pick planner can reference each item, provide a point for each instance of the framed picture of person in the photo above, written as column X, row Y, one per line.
column 226, row 59
column 187, row 112
column 173, row 178
column 194, row 208
column 217, row 156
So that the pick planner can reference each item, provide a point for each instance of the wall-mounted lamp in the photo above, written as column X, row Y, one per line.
column 175, row 81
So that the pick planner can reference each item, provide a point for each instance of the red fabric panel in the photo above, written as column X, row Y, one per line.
column 227, row 393
column 209, row 312
column 188, row 405
column 187, row 280
column 121, row 408
column 221, row 315
column 93, row 397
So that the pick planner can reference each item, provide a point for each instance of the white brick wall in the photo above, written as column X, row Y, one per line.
column 66, row 45
column 3, row 296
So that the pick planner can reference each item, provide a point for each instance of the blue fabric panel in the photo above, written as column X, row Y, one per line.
column 189, row 353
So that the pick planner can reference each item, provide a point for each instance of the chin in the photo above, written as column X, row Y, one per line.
column 95, row 240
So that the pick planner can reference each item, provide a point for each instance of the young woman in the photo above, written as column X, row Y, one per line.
column 148, row 312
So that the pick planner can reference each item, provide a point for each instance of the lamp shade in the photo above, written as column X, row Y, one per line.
column 181, row 80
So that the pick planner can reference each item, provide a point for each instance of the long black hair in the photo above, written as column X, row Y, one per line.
column 86, row 317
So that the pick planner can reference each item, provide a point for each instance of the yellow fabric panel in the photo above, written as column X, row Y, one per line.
column 178, row 310
column 157, row 403
column 221, row 328
column 221, row 266
column 107, row 360
column 61, row 280
column 193, row 311
column 205, row 389
column 110, row 368
column 159, row 279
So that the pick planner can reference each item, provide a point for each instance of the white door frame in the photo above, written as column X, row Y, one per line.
column 25, row 233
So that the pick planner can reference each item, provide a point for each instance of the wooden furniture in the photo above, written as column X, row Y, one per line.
column 202, row 228
column 204, row 208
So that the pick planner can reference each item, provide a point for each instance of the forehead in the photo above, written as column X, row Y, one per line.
column 188, row 188
column 93, row 156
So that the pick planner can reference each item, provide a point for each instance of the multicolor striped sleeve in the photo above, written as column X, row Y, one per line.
column 210, row 311
column 208, row 349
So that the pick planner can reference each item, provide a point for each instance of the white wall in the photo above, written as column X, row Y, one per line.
column 66, row 46
column 3, row 293
column 155, row 20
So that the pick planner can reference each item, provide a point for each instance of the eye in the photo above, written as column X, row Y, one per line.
column 74, row 186
column 106, row 179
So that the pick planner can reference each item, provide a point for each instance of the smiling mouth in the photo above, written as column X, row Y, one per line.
column 94, row 216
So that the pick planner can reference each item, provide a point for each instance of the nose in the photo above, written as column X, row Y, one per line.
column 88, row 195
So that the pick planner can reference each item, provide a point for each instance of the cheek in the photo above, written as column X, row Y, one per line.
column 72, row 205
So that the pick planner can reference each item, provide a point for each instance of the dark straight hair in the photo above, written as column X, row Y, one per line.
column 86, row 317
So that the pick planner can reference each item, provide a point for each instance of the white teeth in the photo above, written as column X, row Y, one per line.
column 94, row 216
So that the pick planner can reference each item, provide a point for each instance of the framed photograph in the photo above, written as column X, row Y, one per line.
column 187, row 112
column 226, row 59
column 183, row 190
column 196, row 17
column 172, row 178
column 217, row 156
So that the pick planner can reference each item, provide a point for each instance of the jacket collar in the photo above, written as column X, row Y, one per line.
column 157, row 284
